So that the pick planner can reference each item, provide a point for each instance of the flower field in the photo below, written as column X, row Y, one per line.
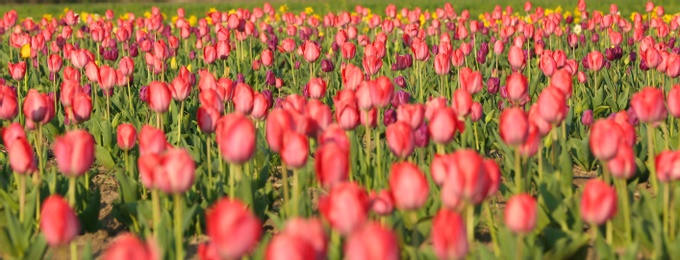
column 382, row 132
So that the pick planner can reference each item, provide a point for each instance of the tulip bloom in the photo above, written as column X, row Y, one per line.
column 516, row 58
column 520, row 213
column 552, row 105
column 449, row 237
column 74, row 152
column 233, row 230
column 400, row 139
column 159, row 97
column 518, row 89
column 60, row 224
column 20, row 153
column 514, row 126
column 408, row 185
column 595, row 60
column 373, row 241
column 36, row 106
column 471, row 81
column 331, row 164
column 345, row 207
column 236, row 138
column 604, row 139
column 294, row 150
column 443, row 125
column 129, row 246
column 310, row 51
column 126, row 136
column 598, row 202
column 17, row 71
column 648, row 105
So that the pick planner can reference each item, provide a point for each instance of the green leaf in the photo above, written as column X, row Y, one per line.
column 103, row 157
column 38, row 248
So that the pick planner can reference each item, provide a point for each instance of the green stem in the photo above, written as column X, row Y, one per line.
column 378, row 157
column 626, row 210
column 72, row 191
column 367, row 137
column 518, row 172
column 108, row 107
column 296, row 193
column 22, row 197
column 210, row 176
column 179, row 124
column 650, row 158
column 179, row 248
column 610, row 233
column 520, row 246
column 470, row 223
column 440, row 149
column 156, row 210
column 127, row 163
column 74, row 251
column 492, row 229
column 474, row 130
column 286, row 199
column 540, row 160
column 232, row 180
column 666, row 207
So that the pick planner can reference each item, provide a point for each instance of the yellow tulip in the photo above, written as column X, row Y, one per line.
column 26, row 51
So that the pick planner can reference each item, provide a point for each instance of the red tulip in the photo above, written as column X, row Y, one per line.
column 175, row 174
column 461, row 102
column 598, row 202
column 382, row 202
column 471, row 81
column 11, row 133
column 652, row 57
column 466, row 179
column 348, row 50
column 371, row 64
column 71, row 74
column 345, row 207
column 595, row 60
column 236, row 138
column 399, row 137
column 294, row 150
column 81, row 107
column 552, row 105
column 74, row 152
column 107, row 77
column 159, row 97
column 372, row 241
column 60, row 224
column 412, row 114
column 408, row 185
column 518, row 89
column 382, row 92
column 180, row 89
column 420, row 50
column 210, row 98
column 320, row 113
column 260, row 106
column 128, row 246
column 54, row 63
column 494, row 174
column 516, row 58
column 17, row 71
column 351, row 77
column 536, row 119
column 279, row 122
column 80, row 58
column 151, row 140
column 667, row 166
column 520, row 213
column 209, row 54
column 9, row 105
column 267, row 57
column 20, row 154
column 36, row 106
column 243, row 98
column 317, row 88
column 648, row 105
column 449, row 237
column 443, row 125
column 441, row 64
column 562, row 80
column 533, row 141
column 233, row 230
column 333, row 133
column 476, row 111
column 92, row 72
column 514, row 126
column 285, row 246
column 126, row 65
column 347, row 114
column 547, row 65
column 310, row 230
column 310, row 51
column 126, row 136
column 604, row 139
column 623, row 164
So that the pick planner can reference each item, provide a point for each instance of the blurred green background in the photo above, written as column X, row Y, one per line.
column 37, row 8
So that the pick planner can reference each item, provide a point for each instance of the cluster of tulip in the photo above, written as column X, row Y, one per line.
column 386, row 159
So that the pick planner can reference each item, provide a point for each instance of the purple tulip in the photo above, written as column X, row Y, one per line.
column 422, row 135
column 389, row 117
column 587, row 117
column 492, row 85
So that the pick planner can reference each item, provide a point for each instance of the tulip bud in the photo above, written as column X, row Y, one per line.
column 598, row 202
column 520, row 213
column 60, row 224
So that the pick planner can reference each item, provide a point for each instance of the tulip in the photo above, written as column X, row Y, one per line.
column 209, row 54
column 279, row 122
column 151, row 141
column 310, row 51
column 351, row 77
column 408, row 185
column 520, row 213
column 587, row 117
column 54, row 63
column 126, row 136
column 623, row 164
column 514, row 126
column 471, row 81
column 9, row 105
column 382, row 92
column 286, row 246
column 372, row 241
column 466, row 178
column 159, row 97
column 381, row 202
column 36, row 106
column 311, row 231
column 400, row 139
column 17, row 71
column 20, row 154
column 516, row 58
column 441, row 64
column 12, row 132
column 236, row 138
column 233, row 230
column 412, row 114
column 60, row 226
column 331, row 164
column 449, row 235
column 518, row 89
column 648, row 105
column 317, row 88
column 443, row 125
column 106, row 77
column 81, row 107
column 294, row 150
column 604, row 139
column 180, row 89
column 74, row 152
column 243, row 98
column 348, row 50
column 552, row 105
column 345, row 207
column 598, row 202
column 128, row 246
column 461, row 102
column 595, row 60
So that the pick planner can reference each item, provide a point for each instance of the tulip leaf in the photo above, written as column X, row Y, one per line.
column 103, row 157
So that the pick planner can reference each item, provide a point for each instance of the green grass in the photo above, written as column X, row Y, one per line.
column 200, row 7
